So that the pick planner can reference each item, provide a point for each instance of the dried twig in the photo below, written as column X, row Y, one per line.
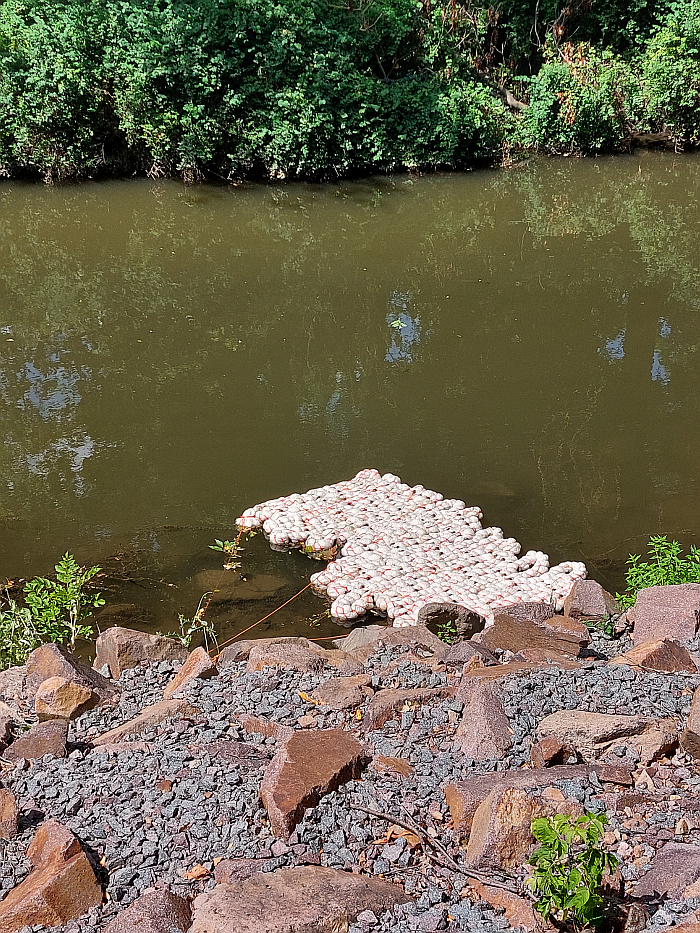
column 449, row 862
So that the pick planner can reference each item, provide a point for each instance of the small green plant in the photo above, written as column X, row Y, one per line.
column 667, row 566
column 568, row 867
column 231, row 551
column 61, row 606
column 197, row 625
column 54, row 610
column 447, row 632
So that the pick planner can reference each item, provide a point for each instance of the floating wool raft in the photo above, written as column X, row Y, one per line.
column 402, row 547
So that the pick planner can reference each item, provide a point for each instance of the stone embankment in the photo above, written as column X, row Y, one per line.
column 385, row 784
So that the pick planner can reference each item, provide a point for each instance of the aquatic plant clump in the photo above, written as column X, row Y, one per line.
column 402, row 547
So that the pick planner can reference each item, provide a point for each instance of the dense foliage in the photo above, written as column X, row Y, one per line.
column 273, row 88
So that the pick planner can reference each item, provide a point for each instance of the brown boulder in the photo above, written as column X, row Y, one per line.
column 588, row 600
column 386, row 703
column 155, row 911
column 291, row 657
column 517, row 910
column 235, row 870
column 61, row 887
column 665, row 655
column 8, row 814
column 340, row 693
column 667, row 612
column 51, row 660
column 384, row 764
column 465, row 622
column 548, row 751
column 559, row 635
column 484, row 733
column 43, row 738
column 672, row 870
column 58, row 698
column 123, row 648
column 7, row 720
column 593, row 734
column 690, row 738
column 531, row 612
column 464, row 797
column 310, row 765
column 240, row 650
column 267, row 727
column 464, row 651
column 293, row 900
column 500, row 835
column 198, row 666
column 147, row 718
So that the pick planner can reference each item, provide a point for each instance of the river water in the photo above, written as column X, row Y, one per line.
column 523, row 339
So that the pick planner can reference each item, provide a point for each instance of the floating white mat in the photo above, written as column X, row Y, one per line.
column 402, row 547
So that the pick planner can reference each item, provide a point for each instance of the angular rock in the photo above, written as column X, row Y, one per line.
column 531, row 612
column 245, row 755
column 343, row 662
column 592, row 734
column 157, row 910
column 484, row 733
column 464, row 797
column 665, row 655
column 465, row 622
column 340, row 693
column 558, row 634
column 198, row 666
column 386, row 703
column 61, row 887
column 7, row 720
column 588, row 600
column 309, row 766
column 384, row 764
column 293, row 900
column 541, row 655
column 240, row 650
column 51, row 660
column 667, row 612
column 291, row 657
column 464, row 651
column 548, row 751
column 672, row 870
column 123, row 648
column 517, row 910
column 690, row 738
column 235, row 870
column 147, row 718
column 8, row 814
column 43, row 738
column 500, row 834
column 267, row 727
column 58, row 698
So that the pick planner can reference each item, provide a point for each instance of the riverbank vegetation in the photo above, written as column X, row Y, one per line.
column 319, row 88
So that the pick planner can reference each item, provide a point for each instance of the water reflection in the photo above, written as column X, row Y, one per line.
column 218, row 347
column 406, row 329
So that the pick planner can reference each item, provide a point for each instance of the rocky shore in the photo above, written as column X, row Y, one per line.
column 386, row 783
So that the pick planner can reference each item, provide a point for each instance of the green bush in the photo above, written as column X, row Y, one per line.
column 568, row 867
column 53, row 117
column 666, row 567
column 671, row 74
column 584, row 104
column 54, row 610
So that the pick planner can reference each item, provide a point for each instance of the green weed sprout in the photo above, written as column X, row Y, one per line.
column 568, row 867
column 667, row 566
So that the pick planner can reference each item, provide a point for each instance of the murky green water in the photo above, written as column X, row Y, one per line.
column 525, row 340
